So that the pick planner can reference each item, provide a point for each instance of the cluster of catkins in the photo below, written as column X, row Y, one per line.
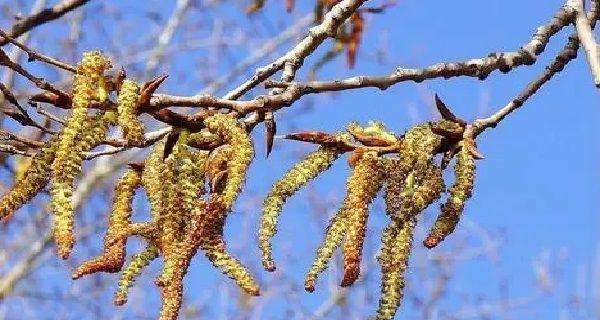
column 60, row 159
column 184, row 216
column 412, row 181
column 191, row 190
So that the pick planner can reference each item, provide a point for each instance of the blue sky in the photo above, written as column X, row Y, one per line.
column 537, row 189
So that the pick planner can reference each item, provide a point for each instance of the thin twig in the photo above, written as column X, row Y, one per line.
column 566, row 55
column 295, row 57
column 34, row 55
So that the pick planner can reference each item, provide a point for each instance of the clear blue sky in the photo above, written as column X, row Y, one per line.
column 537, row 189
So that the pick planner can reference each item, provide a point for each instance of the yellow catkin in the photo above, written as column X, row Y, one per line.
column 33, row 181
column 407, row 194
column 90, row 72
column 94, row 132
column 333, row 239
column 236, row 136
column 153, row 166
column 214, row 249
column 182, row 196
column 133, row 129
column 168, row 222
column 304, row 171
column 395, row 253
column 361, row 189
column 460, row 192
column 115, row 239
column 132, row 271
column 350, row 220
column 87, row 85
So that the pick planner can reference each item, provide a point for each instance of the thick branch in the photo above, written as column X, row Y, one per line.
column 588, row 41
column 480, row 68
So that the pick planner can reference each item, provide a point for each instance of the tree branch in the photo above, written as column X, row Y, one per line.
column 480, row 67
column 295, row 57
column 566, row 55
column 588, row 40
column 42, row 17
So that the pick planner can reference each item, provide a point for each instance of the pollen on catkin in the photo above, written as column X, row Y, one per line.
column 88, row 85
column 397, row 244
column 214, row 249
column 93, row 133
column 115, row 239
column 132, row 271
column 235, row 135
column 304, row 171
column 33, row 181
column 361, row 189
column 460, row 192
column 87, row 80
column 133, row 129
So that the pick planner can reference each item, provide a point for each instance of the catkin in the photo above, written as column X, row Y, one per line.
column 304, row 171
column 33, row 181
column 236, row 136
column 153, row 186
column 132, row 271
column 350, row 220
column 395, row 253
column 460, row 192
column 94, row 132
column 88, row 84
column 361, row 189
column 334, row 236
column 115, row 239
column 214, row 249
column 133, row 129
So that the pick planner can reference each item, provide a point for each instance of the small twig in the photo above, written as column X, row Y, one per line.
column 166, row 35
column 480, row 67
column 40, row 110
column 34, row 55
column 39, row 82
column 5, row 148
column 5, row 135
column 151, row 138
column 295, row 57
column 566, row 55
